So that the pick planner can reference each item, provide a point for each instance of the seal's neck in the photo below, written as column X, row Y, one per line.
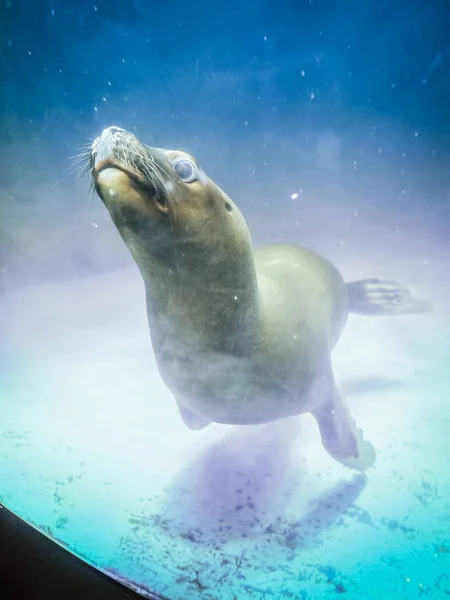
column 204, row 298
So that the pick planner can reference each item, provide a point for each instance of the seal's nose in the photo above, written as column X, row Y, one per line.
column 104, row 146
column 111, row 131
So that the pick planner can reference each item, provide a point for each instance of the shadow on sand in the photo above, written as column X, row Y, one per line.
column 235, row 484
column 242, row 486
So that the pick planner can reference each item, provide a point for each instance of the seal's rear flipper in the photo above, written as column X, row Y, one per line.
column 340, row 436
column 191, row 419
column 380, row 297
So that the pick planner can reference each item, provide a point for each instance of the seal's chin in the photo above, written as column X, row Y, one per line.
column 110, row 174
column 128, row 205
column 103, row 172
column 111, row 182
column 118, row 181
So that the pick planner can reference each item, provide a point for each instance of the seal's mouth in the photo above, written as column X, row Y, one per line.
column 136, row 176
column 120, row 150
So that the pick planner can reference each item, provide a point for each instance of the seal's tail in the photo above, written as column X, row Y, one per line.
column 381, row 297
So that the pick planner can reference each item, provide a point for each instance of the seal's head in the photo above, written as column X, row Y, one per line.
column 189, row 240
column 162, row 200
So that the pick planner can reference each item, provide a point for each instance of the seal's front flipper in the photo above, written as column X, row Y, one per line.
column 191, row 419
column 340, row 436
column 380, row 297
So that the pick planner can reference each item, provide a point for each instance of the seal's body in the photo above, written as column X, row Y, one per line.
column 240, row 336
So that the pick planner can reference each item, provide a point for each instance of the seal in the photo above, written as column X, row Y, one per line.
column 240, row 336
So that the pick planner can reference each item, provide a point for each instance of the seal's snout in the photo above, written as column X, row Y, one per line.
column 105, row 146
column 110, row 136
column 122, row 166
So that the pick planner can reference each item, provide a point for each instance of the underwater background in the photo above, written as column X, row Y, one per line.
column 328, row 123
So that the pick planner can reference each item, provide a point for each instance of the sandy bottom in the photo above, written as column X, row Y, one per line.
column 93, row 452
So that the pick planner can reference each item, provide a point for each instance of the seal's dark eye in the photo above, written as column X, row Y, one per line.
column 185, row 170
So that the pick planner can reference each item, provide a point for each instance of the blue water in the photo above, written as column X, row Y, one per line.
column 328, row 124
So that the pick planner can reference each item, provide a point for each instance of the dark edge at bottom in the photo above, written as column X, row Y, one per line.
column 34, row 567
